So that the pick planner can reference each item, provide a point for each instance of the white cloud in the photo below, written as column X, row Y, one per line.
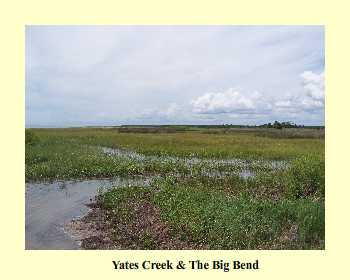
column 310, row 98
column 314, row 85
column 229, row 101
column 234, row 102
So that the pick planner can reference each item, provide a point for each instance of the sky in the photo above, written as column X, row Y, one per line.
column 119, row 75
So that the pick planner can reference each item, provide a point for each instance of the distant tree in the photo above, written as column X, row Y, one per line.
column 277, row 125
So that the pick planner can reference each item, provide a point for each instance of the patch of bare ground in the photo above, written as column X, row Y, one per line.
column 141, row 229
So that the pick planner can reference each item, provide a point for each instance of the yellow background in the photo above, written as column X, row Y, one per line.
column 19, row 263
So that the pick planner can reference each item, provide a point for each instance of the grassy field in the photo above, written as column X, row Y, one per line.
column 197, row 196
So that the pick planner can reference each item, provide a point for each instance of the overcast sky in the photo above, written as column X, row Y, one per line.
column 112, row 75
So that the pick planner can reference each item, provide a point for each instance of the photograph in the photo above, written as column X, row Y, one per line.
column 175, row 137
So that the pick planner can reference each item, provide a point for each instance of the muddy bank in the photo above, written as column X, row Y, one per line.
column 102, row 229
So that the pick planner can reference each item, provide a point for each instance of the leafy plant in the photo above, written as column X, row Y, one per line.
column 306, row 177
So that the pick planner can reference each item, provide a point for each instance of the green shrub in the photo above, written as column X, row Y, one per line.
column 306, row 177
column 116, row 196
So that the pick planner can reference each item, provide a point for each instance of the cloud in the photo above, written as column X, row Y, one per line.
column 310, row 98
column 314, row 85
column 118, row 74
column 229, row 101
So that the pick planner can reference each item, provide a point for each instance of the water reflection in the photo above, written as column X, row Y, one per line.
column 50, row 205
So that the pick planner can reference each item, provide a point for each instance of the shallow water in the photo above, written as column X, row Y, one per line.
column 49, row 206
column 244, row 164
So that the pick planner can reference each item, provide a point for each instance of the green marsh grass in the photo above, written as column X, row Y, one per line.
column 204, row 202
column 190, row 144
column 223, row 213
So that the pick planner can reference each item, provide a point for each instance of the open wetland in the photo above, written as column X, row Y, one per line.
column 102, row 188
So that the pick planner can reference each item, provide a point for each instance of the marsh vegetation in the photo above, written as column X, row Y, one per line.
column 207, row 187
